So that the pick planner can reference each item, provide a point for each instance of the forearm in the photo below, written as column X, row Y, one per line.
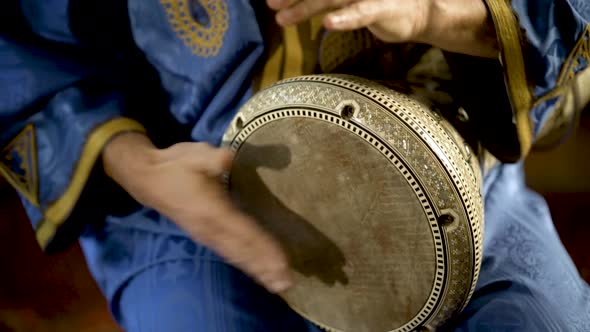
column 126, row 159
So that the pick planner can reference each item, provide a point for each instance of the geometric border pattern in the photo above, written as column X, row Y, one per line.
column 21, row 154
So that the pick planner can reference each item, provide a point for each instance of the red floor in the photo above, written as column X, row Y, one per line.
column 39, row 293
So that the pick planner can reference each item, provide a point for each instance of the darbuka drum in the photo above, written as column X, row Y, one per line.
column 375, row 198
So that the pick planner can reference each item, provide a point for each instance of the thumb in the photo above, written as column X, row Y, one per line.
column 217, row 162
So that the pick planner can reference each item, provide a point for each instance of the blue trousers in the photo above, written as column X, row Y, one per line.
column 157, row 279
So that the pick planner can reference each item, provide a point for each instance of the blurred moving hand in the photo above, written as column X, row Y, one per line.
column 183, row 183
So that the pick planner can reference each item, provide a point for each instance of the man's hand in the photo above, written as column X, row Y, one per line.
column 182, row 183
column 461, row 26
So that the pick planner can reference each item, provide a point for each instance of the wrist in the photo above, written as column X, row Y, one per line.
column 467, row 30
column 128, row 158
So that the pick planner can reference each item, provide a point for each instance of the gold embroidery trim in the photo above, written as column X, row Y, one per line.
column 291, row 57
column 567, row 72
column 204, row 41
column 581, row 49
column 570, row 93
column 56, row 213
column 29, row 186
column 509, row 40
column 272, row 69
column 293, row 52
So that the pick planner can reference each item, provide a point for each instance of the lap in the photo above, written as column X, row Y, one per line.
column 190, row 295
column 527, row 282
column 158, row 280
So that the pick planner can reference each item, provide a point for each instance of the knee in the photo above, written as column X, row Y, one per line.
column 511, row 306
column 200, row 295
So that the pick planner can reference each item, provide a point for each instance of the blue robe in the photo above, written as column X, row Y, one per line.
column 75, row 73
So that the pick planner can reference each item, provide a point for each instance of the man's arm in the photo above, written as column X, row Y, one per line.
column 52, row 130
column 57, row 112
column 183, row 183
column 63, row 124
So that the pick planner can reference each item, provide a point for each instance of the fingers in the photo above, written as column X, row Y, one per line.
column 243, row 244
column 206, row 158
column 254, row 251
column 201, row 157
column 293, row 12
column 392, row 21
column 388, row 20
column 280, row 4
column 189, row 192
column 357, row 15
column 220, row 161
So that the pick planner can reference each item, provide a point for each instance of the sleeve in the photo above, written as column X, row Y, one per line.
column 58, row 109
column 74, row 22
column 531, row 96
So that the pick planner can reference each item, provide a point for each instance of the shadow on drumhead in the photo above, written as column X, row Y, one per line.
column 310, row 252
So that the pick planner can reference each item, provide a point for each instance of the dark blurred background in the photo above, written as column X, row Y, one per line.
column 39, row 293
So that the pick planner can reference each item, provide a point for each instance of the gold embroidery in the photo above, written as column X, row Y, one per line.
column 570, row 98
column 581, row 50
column 568, row 71
column 316, row 27
column 272, row 69
column 311, row 36
column 56, row 213
column 566, row 112
column 18, row 164
column 203, row 39
column 571, row 94
column 295, row 54
column 510, row 42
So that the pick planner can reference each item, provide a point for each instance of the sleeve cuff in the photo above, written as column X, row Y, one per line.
column 19, row 165
column 58, row 212
column 544, row 53
column 510, row 42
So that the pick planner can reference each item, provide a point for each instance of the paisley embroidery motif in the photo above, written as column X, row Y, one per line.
column 200, row 24
column 18, row 164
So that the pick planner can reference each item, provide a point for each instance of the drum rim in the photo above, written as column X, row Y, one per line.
column 436, row 291
column 423, row 129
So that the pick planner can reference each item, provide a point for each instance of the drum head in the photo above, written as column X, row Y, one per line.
column 362, row 233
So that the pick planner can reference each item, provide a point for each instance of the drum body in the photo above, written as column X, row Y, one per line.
column 374, row 197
